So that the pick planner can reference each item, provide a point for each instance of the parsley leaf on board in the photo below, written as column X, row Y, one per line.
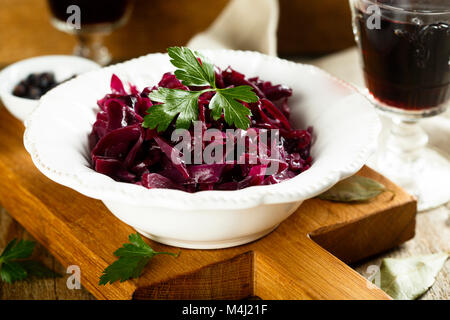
column 14, row 268
column 17, row 250
column 132, row 258
column 192, row 72
column 12, row 272
column 184, row 104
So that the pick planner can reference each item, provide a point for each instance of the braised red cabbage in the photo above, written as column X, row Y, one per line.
column 127, row 152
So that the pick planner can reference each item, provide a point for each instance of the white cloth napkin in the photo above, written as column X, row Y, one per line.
column 242, row 25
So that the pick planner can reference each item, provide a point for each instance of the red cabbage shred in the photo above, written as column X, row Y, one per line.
column 127, row 152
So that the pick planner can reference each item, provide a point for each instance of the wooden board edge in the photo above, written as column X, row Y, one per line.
column 366, row 236
column 224, row 280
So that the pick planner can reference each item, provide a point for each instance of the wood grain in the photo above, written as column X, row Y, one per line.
column 286, row 264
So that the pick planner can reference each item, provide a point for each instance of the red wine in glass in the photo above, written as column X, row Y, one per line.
column 406, row 64
column 92, row 11
column 97, row 18
column 405, row 51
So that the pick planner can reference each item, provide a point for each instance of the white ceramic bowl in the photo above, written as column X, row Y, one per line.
column 345, row 125
column 62, row 66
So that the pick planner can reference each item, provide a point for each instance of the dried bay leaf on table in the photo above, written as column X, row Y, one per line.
column 354, row 189
column 409, row 278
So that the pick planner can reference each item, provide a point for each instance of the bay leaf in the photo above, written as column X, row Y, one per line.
column 354, row 189
column 409, row 278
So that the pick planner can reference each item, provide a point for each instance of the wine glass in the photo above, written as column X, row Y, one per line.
column 405, row 55
column 90, row 21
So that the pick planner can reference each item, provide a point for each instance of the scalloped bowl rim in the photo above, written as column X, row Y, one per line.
column 111, row 190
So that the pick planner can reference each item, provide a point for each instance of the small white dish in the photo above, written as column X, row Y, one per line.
column 346, row 128
column 62, row 66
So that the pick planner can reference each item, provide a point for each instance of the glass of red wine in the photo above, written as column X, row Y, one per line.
column 90, row 21
column 405, row 55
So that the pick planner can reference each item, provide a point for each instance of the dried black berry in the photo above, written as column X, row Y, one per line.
column 35, row 93
column 21, row 89
column 35, row 85
column 32, row 79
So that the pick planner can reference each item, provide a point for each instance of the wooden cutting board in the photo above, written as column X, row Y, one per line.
column 305, row 258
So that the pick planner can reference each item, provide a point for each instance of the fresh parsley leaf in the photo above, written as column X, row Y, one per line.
column 12, row 271
column 226, row 101
column 192, row 72
column 17, row 250
column 132, row 258
column 14, row 268
column 174, row 102
column 184, row 104
column 136, row 247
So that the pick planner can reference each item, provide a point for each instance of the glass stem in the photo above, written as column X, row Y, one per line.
column 90, row 45
column 405, row 159
column 406, row 140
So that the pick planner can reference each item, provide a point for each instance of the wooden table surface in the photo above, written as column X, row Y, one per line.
column 432, row 231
